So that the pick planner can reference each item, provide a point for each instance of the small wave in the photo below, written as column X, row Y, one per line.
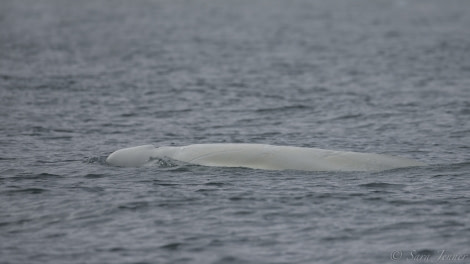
column 164, row 183
column 230, row 260
column 99, row 160
column 28, row 191
column 134, row 206
column 164, row 163
column 33, row 176
column 459, row 169
column 94, row 176
column 47, row 175
column 447, row 223
column 172, row 246
column 95, row 189
column 382, row 185
column 283, row 108
column 218, row 184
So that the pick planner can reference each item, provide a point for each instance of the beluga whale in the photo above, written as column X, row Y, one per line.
column 261, row 156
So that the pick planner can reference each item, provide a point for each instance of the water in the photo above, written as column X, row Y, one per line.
column 80, row 79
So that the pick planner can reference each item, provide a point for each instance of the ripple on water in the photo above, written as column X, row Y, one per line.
column 21, row 191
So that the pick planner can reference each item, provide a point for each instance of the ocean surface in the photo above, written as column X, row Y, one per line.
column 81, row 79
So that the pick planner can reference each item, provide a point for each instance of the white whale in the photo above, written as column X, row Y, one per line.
column 260, row 156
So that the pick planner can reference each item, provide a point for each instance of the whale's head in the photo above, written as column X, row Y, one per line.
column 131, row 157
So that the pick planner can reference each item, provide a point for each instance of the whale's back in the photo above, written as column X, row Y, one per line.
column 269, row 157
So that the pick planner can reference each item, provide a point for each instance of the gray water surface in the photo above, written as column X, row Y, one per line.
column 81, row 79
